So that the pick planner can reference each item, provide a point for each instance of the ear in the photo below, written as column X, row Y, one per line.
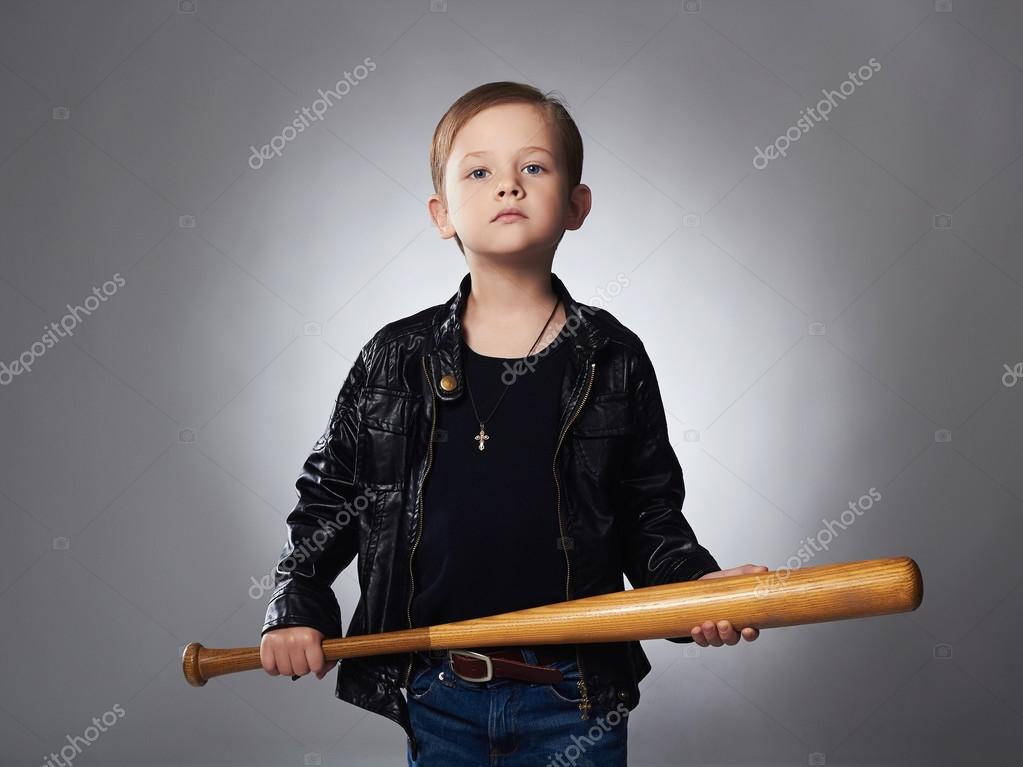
column 439, row 215
column 579, row 201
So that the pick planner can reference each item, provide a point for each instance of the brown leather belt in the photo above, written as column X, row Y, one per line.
column 509, row 663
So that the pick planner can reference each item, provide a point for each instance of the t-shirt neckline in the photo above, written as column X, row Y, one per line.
column 546, row 351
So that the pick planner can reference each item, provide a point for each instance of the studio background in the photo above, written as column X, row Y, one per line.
column 846, row 317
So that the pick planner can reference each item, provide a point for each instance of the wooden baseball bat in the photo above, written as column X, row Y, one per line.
column 762, row 600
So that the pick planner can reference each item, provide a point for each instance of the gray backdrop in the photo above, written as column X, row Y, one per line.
column 834, row 310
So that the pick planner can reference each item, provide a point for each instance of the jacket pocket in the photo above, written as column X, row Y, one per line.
column 383, row 436
column 606, row 415
column 600, row 432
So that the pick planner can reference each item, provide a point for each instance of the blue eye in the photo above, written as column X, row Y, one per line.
column 538, row 166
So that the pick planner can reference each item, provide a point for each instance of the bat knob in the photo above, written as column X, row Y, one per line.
column 190, row 664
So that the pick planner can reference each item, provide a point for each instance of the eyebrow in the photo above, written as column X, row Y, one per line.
column 524, row 149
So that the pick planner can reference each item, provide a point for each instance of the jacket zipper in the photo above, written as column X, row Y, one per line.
column 419, row 503
column 584, row 704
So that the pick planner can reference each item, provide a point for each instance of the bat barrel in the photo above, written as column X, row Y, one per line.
column 761, row 600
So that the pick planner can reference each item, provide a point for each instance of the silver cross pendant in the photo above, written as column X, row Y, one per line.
column 482, row 438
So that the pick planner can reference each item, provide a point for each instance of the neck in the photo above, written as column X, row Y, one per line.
column 507, row 306
column 500, row 291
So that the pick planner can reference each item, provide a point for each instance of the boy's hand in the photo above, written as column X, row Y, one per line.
column 722, row 632
column 295, row 651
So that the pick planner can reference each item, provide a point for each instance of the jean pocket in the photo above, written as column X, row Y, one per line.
column 567, row 690
column 423, row 682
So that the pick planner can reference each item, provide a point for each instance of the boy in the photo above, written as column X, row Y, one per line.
column 503, row 450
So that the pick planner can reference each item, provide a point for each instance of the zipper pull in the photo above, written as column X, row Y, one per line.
column 584, row 706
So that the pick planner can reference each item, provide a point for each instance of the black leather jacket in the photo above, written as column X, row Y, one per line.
column 619, row 494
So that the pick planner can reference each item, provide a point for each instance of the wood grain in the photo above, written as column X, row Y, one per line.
column 771, row 599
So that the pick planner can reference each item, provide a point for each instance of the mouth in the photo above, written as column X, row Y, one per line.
column 508, row 214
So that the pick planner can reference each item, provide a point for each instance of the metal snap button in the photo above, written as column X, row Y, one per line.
column 448, row 382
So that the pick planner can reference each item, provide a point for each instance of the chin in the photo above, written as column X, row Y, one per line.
column 512, row 254
column 509, row 243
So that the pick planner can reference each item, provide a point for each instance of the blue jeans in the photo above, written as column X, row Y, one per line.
column 508, row 722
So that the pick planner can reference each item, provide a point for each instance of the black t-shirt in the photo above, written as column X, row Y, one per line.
column 490, row 541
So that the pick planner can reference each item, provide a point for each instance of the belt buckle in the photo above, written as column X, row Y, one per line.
column 478, row 656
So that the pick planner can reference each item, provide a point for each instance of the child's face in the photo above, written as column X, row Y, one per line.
column 515, row 162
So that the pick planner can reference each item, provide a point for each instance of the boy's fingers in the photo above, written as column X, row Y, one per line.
column 727, row 633
column 326, row 669
column 710, row 631
column 266, row 659
column 314, row 657
column 710, row 634
column 299, row 664
column 283, row 663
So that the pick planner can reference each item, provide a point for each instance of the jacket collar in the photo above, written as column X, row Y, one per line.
column 446, row 357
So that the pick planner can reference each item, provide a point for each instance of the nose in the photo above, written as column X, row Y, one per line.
column 508, row 185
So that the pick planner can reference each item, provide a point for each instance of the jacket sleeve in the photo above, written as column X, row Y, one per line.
column 658, row 544
column 323, row 527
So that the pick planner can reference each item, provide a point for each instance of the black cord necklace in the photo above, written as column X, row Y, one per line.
column 482, row 437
